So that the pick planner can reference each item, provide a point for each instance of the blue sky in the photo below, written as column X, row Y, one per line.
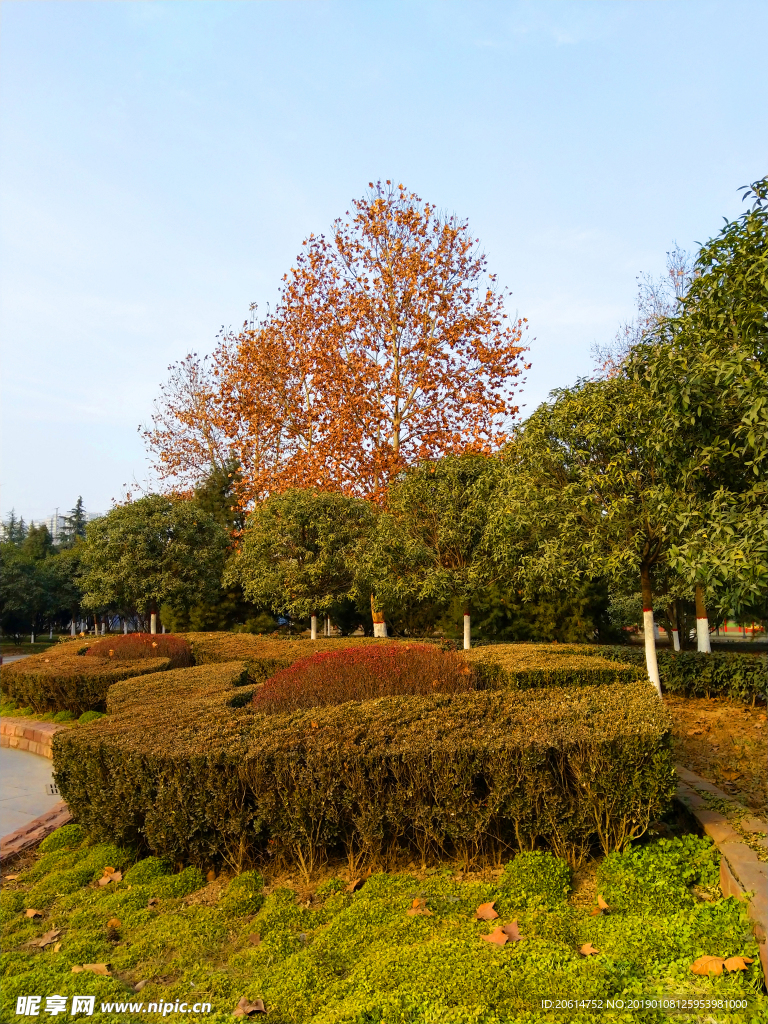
column 162, row 163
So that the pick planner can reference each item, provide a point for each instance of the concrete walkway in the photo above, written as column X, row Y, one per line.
column 23, row 795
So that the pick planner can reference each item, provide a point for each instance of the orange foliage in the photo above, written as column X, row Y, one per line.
column 389, row 346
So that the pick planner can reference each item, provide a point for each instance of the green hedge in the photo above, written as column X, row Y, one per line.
column 67, row 682
column 742, row 677
column 529, row 666
column 177, row 770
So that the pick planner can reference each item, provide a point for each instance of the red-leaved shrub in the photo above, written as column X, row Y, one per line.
column 131, row 646
column 333, row 677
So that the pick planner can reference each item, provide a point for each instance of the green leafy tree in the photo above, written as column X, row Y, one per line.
column 74, row 525
column 430, row 543
column 154, row 550
column 298, row 552
column 14, row 529
column 706, row 371
column 23, row 596
column 582, row 498
column 38, row 543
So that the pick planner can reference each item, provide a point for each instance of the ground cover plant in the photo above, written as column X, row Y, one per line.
column 522, row 666
column 445, row 946
column 364, row 673
column 187, row 766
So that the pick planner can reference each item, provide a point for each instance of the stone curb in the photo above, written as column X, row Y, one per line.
column 35, row 737
column 740, row 869
column 26, row 734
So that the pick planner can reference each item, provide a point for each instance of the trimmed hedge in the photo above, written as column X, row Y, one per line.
column 67, row 682
column 178, row 771
column 266, row 655
column 364, row 673
column 527, row 666
column 140, row 646
column 742, row 677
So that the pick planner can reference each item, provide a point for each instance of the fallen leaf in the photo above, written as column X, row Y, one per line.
column 139, row 986
column 33, row 913
column 512, row 932
column 314, row 725
column 255, row 939
column 485, row 912
column 57, row 947
column 211, row 876
column 708, row 965
column 588, row 949
column 47, row 939
column 245, row 1008
column 354, row 885
column 11, row 878
column 737, row 963
column 110, row 875
column 102, row 969
column 114, row 922
column 497, row 936
column 153, row 903
column 419, row 908
column 601, row 903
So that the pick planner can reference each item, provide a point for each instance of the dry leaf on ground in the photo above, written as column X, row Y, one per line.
column 255, row 939
column 706, row 965
column 210, row 876
column 498, row 936
column 419, row 908
column 588, row 949
column 354, row 885
column 153, row 903
column 485, row 912
column 246, row 1008
column 114, row 922
column 33, row 913
column 512, row 932
column 737, row 963
column 47, row 939
column 102, row 969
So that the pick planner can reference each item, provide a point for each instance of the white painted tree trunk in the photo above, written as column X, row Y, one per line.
column 313, row 627
column 153, row 622
column 72, row 629
column 103, row 627
column 650, row 649
column 32, row 637
column 163, row 628
column 675, row 640
column 379, row 624
column 50, row 632
column 327, row 625
column 467, row 632
column 702, row 623
column 380, row 629
column 125, row 625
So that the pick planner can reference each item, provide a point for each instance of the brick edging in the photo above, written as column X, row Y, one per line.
column 28, row 734
column 741, row 871
column 35, row 737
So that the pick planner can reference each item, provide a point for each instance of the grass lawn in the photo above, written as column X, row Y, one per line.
column 397, row 948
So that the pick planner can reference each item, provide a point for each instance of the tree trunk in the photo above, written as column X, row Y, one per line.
column 379, row 625
column 702, row 623
column 313, row 626
column 32, row 636
column 153, row 621
column 467, row 630
column 50, row 632
column 72, row 629
column 649, row 629
column 125, row 626
column 673, row 622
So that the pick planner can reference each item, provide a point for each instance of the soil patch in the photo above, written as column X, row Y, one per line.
column 724, row 742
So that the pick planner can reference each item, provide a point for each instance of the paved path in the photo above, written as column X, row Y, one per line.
column 14, row 657
column 23, row 795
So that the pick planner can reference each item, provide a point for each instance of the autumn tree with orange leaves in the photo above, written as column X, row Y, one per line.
column 389, row 345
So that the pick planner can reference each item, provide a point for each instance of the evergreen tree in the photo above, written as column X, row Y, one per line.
column 74, row 525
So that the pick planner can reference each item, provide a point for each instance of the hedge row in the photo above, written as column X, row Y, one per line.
column 742, row 677
column 178, row 770
column 528, row 666
column 266, row 655
column 68, row 682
